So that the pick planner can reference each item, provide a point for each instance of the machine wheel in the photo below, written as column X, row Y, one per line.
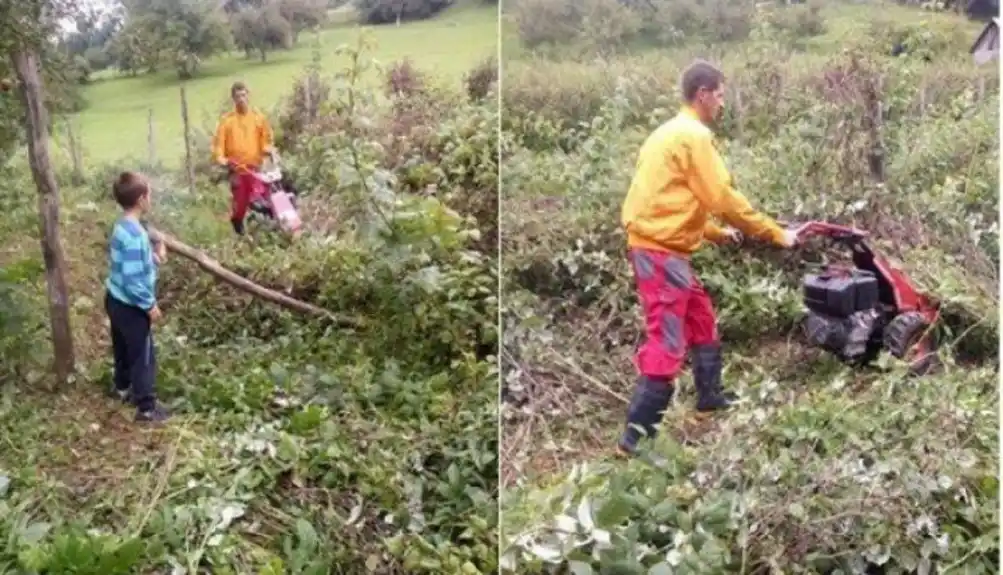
column 907, row 337
column 870, row 354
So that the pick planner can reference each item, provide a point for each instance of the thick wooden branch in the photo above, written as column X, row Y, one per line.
column 216, row 269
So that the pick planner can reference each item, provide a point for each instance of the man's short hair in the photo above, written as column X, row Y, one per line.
column 129, row 188
column 237, row 87
column 700, row 74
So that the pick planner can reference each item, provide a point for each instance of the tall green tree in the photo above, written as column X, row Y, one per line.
column 183, row 33
column 303, row 15
column 261, row 29
column 95, row 29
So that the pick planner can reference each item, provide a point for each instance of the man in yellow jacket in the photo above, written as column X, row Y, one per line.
column 243, row 139
column 680, row 183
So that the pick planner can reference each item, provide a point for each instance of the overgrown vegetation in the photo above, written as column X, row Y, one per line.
column 823, row 468
column 299, row 446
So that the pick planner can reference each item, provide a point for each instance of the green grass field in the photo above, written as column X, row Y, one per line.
column 114, row 125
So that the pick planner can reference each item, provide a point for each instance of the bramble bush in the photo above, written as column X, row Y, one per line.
column 823, row 468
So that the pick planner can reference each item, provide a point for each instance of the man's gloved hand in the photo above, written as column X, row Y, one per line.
column 790, row 238
column 733, row 236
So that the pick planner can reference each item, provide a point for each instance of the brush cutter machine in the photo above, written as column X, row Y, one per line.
column 272, row 198
column 856, row 311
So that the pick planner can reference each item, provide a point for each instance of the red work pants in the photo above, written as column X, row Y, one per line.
column 678, row 313
column 243, row 188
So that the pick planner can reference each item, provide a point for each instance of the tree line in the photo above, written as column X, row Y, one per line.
column 146, row 36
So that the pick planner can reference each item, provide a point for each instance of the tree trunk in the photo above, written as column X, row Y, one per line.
column 36, row 121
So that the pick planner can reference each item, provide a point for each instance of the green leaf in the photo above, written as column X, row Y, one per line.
column 662, row 568
column 614, row 511
column 34, row 533
column 663, row 512
column 306, row 533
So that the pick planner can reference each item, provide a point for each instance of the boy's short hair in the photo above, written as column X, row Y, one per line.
column 129, row 188
column 237, row 87
column 700, row 74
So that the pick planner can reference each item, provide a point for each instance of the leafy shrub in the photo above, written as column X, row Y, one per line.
column 798, row 20
column 482, row 79
column 21, row 326
column 386, row 11
column 607, row 26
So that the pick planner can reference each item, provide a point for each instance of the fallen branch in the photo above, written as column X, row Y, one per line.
column 217, row 270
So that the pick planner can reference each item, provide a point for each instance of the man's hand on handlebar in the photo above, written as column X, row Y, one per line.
column 791, row 237
column 733, row 236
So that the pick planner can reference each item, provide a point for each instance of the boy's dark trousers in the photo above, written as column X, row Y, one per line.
column 132, row 346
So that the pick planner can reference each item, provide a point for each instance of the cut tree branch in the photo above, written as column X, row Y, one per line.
column 217, row 270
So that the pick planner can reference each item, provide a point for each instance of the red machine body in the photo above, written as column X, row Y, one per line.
column 270, row 198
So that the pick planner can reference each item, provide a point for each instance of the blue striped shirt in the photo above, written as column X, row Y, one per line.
column 132, row 277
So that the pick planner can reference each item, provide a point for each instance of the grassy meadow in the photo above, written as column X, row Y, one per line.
column 114, row 124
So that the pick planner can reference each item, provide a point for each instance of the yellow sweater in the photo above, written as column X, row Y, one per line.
column 680, row 182
column 242, row 138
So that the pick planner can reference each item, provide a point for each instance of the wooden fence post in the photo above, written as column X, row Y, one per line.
column 76, row 153
column 189, row 165
column 151, row 140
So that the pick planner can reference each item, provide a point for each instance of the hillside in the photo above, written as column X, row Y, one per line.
column 298, row 445
column 822, row 468
column 114, row 124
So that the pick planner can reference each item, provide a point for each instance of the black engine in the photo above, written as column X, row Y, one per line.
column 844, row 313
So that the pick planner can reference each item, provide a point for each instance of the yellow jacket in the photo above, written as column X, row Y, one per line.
column 242, row 138
column 680, row 182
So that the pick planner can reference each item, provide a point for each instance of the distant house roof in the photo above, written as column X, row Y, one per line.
column 987, row 47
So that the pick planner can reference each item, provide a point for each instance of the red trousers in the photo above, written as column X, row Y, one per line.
column 244, row 187
column 678, row 313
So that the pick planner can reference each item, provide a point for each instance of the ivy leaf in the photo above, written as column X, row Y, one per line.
column 662, row 568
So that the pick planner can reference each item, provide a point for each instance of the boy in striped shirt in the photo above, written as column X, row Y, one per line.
column 131, row 300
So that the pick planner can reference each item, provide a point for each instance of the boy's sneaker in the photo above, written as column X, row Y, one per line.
column 123, row 395
column 156, row 415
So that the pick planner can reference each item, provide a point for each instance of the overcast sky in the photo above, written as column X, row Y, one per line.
column 69, row 26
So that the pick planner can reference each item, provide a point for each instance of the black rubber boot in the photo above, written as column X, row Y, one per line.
column 651, row 397
column 238, row 226
column 707, row 366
